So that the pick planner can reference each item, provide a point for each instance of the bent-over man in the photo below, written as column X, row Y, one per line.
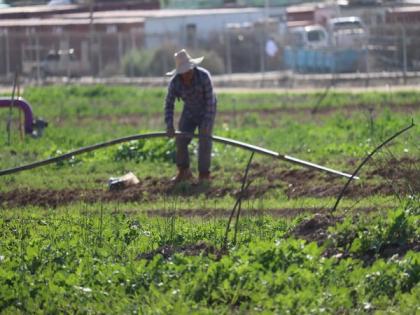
column 193, row 85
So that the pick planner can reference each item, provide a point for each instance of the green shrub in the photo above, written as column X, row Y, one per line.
column 158, row 62
column 137, row 62
column 212, row 61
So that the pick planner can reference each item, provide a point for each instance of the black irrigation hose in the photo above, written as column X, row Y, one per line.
column 237, row 205
column 367, row 158
column 228, row 141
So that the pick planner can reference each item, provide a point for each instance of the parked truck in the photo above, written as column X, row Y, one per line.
column 55, row 63
column 339, row 46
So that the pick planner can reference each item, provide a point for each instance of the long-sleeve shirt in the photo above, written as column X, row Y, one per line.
column 199, row 98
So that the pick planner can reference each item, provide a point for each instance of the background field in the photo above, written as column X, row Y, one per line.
column 69, row 244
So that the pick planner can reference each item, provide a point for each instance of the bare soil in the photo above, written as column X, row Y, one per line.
column 316, row 229
column 398, row 177
column 201, row 248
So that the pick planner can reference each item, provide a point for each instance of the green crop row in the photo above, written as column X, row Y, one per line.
column 102, row 261
column 76, row 102
column 101, row 100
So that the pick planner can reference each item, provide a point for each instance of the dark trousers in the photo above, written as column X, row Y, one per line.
column 189, row 125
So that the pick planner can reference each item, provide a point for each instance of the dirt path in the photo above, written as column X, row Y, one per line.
column 398, row 177
column 355, row 89
column 7, row 89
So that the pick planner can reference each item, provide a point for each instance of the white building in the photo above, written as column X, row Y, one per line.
column 188, row 26
column 184, row 26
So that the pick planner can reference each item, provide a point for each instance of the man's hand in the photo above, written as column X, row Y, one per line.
column 170, row 132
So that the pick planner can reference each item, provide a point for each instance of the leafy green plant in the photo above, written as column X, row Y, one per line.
column 82, row 259
column 138, row 150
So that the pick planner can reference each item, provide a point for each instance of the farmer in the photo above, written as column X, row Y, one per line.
column 191, row 84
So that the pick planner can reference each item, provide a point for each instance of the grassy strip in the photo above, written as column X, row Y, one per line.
column 64, row 101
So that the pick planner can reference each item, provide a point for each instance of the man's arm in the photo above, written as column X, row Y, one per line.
column 210, row 104
column 169, row 109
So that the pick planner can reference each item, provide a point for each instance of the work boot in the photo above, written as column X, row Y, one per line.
column 184, row 174
column 204, row 177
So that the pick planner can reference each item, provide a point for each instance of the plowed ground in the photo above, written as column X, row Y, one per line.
column 397, row 177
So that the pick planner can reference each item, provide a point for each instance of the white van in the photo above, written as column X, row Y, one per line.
column 313, row 36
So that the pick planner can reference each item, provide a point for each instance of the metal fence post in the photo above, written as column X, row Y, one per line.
column 91, row 37
column 262, row 56
column 7, row 53
column 99, row 54
column 367, row 66
column 38, row 58
column 69, row 74
column 120, row 47
column 404, row 53
column 228, row 52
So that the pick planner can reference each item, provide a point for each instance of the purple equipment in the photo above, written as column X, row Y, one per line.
column 32, row 127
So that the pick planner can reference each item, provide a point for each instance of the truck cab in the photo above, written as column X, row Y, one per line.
column 62, row 63
column 347, row 32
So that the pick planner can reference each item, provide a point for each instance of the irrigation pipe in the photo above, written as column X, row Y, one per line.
column 227, row 141
column 243, row 188
column 367, row 158
column 237, row 205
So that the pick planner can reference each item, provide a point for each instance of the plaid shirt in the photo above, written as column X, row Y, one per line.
column 199, row 99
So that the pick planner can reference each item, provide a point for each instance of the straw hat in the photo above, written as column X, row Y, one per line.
column 184, row 62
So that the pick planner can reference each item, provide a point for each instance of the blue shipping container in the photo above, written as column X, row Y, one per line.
column 323, row 60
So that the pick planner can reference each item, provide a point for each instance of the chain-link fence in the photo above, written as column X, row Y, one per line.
column 250, row 49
